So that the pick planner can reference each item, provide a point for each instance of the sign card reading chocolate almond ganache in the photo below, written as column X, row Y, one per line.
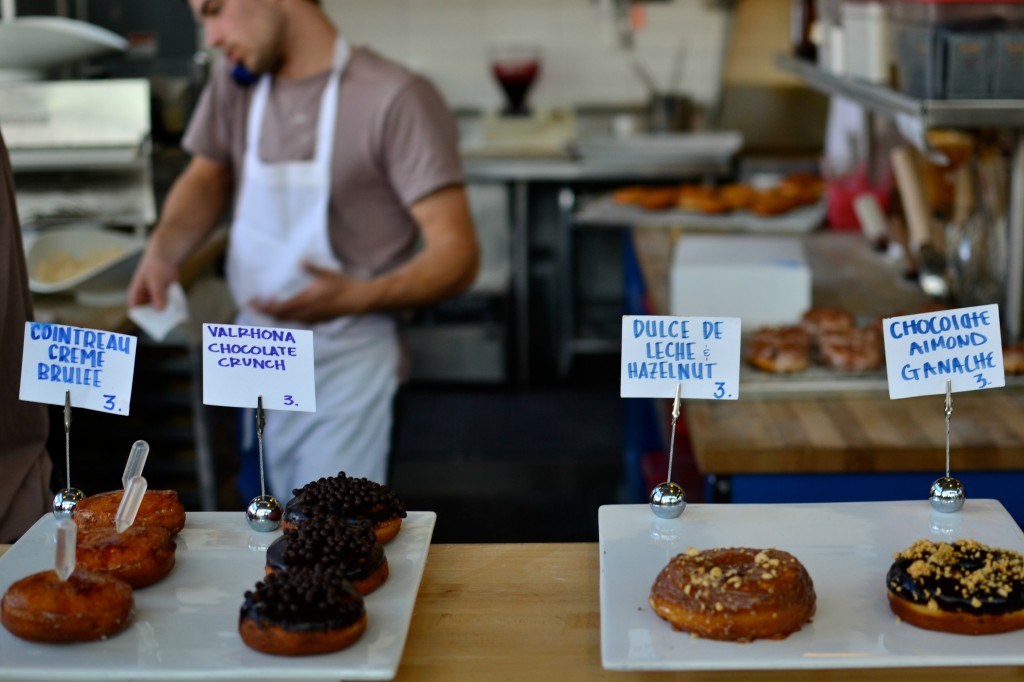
column 95, row 367
column 963, row 346
column 700, row 353
column 243, row 362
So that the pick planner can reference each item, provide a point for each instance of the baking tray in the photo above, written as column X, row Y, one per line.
column 606, row 212
column 186, row 626
column 847, row 549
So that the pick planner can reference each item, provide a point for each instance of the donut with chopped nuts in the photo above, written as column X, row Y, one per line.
column 963, row 587
column 353, row 499
column 332, row 541
column 302, row 612
column 736, row 593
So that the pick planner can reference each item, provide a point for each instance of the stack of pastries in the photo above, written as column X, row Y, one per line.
column 329, row 556
column 96, row 601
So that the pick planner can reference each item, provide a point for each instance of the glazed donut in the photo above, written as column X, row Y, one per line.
column 159, row 508
column 300, row 612
column 818, row 321
column 140, row 556
column 332, row 541
column 354, row 499
column 963, row 587
column 85, row 607
column 737, row 594
column 780, row 349
column 853, row 350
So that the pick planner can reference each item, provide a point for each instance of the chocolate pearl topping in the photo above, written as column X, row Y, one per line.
column 316, row 597
column 348, row 497
column 330, row 540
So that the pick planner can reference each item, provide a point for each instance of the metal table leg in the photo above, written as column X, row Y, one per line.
column 1015, row 244
column 521, row 265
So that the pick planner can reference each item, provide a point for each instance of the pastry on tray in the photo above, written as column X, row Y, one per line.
column 963, row 587
column 735, row 593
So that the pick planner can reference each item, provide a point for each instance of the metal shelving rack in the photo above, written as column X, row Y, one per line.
column 923, row 114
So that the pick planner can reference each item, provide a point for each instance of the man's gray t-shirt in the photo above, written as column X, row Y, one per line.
column 395, row 143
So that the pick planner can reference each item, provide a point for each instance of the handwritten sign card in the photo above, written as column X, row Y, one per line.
column 96, row 366
column 963, row 345
column 241, row 363
column 660, row 351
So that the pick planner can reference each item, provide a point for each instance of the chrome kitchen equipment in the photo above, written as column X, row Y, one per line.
column 80, row 151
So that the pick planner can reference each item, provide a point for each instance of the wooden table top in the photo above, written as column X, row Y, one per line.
column 532, row 611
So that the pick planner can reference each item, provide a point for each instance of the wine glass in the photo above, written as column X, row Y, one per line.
column 516, row 67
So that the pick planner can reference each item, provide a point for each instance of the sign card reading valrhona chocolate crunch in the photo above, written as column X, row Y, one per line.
column 96, row 367
column 661, row 351
column 963, row 345
column 242, row 363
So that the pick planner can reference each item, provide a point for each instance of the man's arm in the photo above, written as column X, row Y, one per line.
column 446, row 265
column 193, row 208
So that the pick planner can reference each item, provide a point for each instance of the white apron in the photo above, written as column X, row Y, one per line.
column 280, row 222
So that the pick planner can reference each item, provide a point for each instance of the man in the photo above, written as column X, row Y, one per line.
column 25, row 484
column 348, row 205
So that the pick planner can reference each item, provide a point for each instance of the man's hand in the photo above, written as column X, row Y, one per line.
column 150, row 281
column 330, row 294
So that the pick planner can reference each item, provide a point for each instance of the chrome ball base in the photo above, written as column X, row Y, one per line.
column 264, row 513
column 667, row 500
column 65, row 501
column 947, row 495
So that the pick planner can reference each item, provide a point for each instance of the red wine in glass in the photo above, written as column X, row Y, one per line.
column 516, row 76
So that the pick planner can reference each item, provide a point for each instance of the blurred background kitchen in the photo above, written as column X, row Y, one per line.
column 510, row 426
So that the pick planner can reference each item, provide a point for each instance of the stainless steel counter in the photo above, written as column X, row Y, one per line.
column 562, row 178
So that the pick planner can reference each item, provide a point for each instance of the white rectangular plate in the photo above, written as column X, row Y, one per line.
column 186, row 626
column 847, row 548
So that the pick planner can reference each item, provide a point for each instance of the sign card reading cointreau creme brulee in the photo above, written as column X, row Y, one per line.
column 242, row 363
column 963, row 346
column 659, row 352
column 95, row 367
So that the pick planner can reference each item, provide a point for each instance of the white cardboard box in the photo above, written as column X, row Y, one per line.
column 760, row 279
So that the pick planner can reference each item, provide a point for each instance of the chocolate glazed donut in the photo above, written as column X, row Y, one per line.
column 964, row 587
column 302, row 612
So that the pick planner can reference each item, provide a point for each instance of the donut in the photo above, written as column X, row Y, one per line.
column 657, row 198
column 817, row 321
column 963, row 587
column 85, row 607
column 140, row 556
column 853, row 350
column 300, row 612
column 628, row 195
column 159, row 508
column 780, row 349
column 1013, row 358
column 735, row 594
column 332, row 541
column 354, row 499
column 768, row 203
column 702, row 199
column 738, row 195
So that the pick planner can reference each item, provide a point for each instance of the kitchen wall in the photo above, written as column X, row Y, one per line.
column 583, row 62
